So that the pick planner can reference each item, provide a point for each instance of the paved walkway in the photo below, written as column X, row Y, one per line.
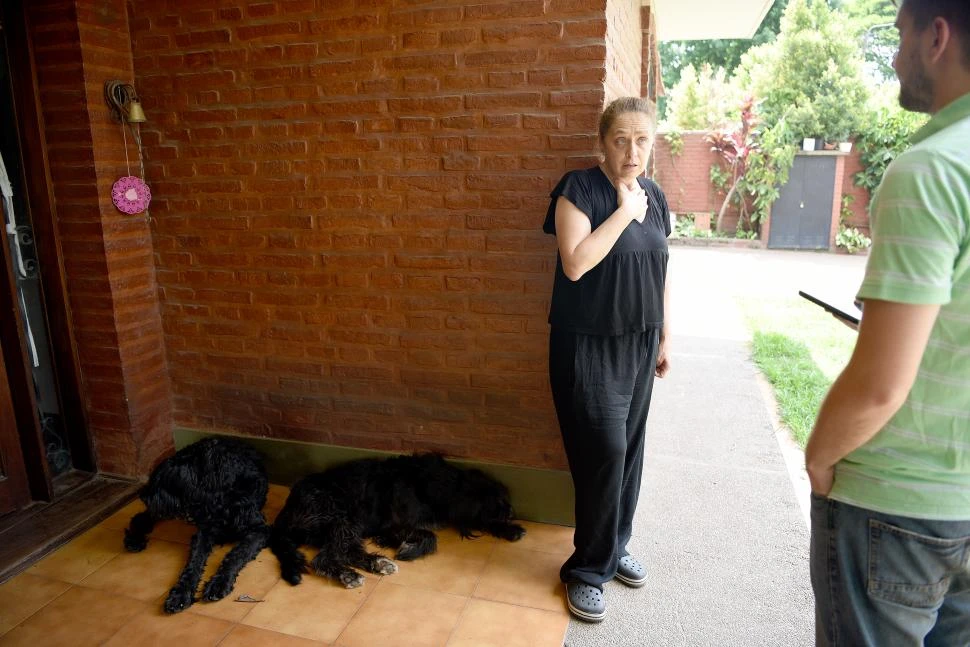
column 721, row 523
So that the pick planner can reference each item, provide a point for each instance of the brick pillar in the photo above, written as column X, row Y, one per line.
column 837, row 199
column 624, row 41
column 108, row 256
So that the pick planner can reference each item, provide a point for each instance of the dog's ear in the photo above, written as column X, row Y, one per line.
column 485, row 485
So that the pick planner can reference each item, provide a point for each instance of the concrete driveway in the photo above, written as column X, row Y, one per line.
column 720, row 521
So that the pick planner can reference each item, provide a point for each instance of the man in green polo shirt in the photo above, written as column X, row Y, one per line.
column 889, row 458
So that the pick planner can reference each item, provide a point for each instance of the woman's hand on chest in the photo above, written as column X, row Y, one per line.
column 632, row 200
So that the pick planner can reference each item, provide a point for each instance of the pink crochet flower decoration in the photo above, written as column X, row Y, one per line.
column 130, row 194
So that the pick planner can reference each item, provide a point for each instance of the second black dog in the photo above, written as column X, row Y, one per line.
column 219, row 485
column 396, row 502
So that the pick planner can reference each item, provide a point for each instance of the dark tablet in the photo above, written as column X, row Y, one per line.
column 841, row 308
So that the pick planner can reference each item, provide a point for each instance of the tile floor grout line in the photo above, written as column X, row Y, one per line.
column 471, row 595
column 107, row 592
column 428, row 587
column 478, row 582
column 336, row 640
column 122, row 625
column 253, row 605
column 518, row 605
column 451, row 634
column 45, row 605
column 83, row 579
column 521, row 606
column 515, row 604
column 492, row 550
column 232, row 626
column 272, row 631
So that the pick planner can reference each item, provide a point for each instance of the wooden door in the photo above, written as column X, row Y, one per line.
column 14, row 491
column 801, row 217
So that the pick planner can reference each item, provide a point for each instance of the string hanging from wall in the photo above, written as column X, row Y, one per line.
column 129, row 194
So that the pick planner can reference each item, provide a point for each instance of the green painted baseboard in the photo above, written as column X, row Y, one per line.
column 541, row 495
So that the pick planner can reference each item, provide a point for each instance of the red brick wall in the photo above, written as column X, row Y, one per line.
column 649, row 55
column 686, row 180
column 840, row 177
column 107, row 255
column 860, row 202
column 623, row 48
column 347, row 212
column 686, row 177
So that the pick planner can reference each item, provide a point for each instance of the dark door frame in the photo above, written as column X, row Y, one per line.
column 37, row 182
column 14, row 489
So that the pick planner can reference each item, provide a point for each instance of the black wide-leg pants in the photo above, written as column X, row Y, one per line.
column 601, row 386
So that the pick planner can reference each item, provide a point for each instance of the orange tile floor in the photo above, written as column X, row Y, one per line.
column 483, row 592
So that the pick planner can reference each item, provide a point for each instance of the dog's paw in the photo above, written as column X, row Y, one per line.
column 351, row 579
column 384, row 566
column 178, row 600
column 407, row 552
column 217, row 588
column 511, row 532
column 293, row 578
column 135, row 544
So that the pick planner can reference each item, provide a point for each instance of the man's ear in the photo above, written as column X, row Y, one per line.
column 942, row 39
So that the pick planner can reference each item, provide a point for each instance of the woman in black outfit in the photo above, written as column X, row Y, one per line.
column 608, row 341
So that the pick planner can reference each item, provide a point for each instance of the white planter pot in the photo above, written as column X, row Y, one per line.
column 808, row 144
column 845, row 147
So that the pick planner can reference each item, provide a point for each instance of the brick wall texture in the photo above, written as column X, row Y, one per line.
column 107, row 256
column 860, row 196
column 840, row 177
column 624, row 45
column 347, row 206
column 344, row 242
column 686, row 177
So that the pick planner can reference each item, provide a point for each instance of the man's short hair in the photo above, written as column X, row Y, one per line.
column 955, row 12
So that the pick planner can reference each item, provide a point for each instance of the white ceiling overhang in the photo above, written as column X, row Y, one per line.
column 708, row 19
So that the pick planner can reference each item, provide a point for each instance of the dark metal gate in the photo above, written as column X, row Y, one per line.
column 801, row 218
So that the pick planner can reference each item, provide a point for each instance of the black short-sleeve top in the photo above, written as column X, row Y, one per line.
column 624, row 292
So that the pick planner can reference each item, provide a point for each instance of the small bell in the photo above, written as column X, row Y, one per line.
column 136, row 114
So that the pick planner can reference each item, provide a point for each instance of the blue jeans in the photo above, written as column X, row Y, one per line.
column 882, row 580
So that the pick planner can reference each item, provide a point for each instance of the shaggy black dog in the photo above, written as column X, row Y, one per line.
column 396, row 502
column 219, row 485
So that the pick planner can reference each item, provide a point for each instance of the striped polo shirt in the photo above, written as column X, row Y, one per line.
column 918, row 465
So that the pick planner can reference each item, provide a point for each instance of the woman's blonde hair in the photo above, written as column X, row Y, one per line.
column 622, row 105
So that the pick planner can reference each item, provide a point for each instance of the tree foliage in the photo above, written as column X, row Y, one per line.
column 735, row 147
column 703, row 100
column 870, row 23
column 676, row 55
column 885, row 135
column 811, row 76
column 811, row 69
column 767, row 169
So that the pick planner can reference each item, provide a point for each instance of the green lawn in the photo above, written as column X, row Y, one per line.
column 800, row 349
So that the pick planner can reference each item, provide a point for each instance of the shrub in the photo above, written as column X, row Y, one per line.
column 851, row 239
column 811, row 76
column 886, row 134
column 676, row 142
column 734, row 147
column 702, row 100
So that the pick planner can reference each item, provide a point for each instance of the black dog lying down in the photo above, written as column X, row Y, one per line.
column 219, row 485
column 395, row 502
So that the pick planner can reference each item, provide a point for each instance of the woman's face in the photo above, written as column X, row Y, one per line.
column 627, row 145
